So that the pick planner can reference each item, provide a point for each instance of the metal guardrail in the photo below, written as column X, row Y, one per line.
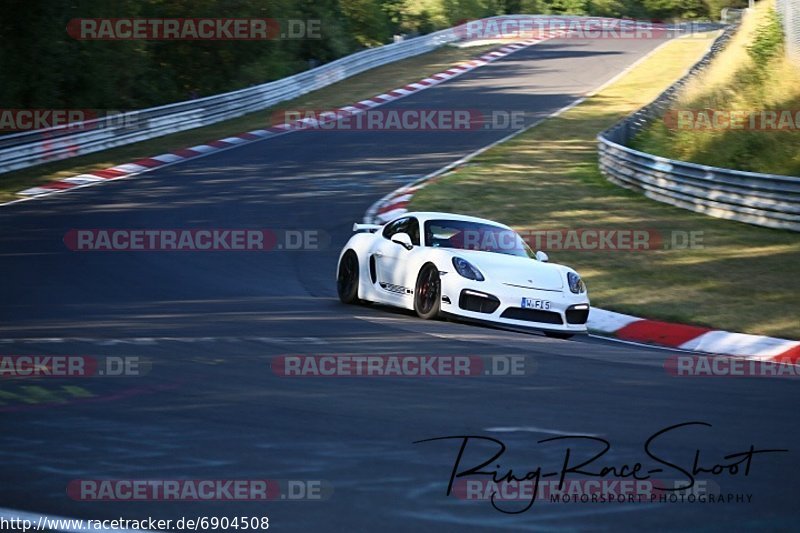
column 789, row 11
column 21, row 150
column 762, row 199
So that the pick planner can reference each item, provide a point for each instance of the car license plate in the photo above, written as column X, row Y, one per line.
column 530, row 303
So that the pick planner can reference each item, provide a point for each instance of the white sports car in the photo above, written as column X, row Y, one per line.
column 472, row 268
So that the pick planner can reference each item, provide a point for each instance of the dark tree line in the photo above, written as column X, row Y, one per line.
column 43, row 67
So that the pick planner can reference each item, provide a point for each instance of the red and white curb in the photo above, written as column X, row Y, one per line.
column 395, row 203
column 145, row 165
column 693, row 338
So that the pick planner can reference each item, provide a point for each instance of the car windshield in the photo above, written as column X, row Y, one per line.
column 465, row 235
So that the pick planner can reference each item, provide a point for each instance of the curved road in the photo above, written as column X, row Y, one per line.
column 211, row 323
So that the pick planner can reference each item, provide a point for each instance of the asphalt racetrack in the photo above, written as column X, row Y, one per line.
column 210, row 324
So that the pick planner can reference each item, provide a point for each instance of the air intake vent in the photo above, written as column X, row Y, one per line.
column 577, row 316
column 478, row 302
column 532, row 315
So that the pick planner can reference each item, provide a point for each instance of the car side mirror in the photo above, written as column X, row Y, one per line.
column 403, row 239
column 541, row 256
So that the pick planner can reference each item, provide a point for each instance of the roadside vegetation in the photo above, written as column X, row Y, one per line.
column 345, row 92
column 736, row 276
column 49, row 68
column 744, row 112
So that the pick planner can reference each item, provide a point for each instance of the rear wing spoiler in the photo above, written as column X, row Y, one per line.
column 372, row 228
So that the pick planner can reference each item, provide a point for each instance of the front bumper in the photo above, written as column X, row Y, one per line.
column 502, row 304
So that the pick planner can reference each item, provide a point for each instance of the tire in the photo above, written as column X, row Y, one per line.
column 428, row 293
column 347, row 279
column 558, row 335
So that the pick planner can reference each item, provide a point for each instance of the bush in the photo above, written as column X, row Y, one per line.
column 768, row 41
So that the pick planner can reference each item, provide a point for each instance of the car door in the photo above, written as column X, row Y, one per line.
column 389, row 260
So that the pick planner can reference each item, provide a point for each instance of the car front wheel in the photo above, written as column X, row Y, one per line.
column 427, row 296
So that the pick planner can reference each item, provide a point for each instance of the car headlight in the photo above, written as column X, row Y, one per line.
column 467, row 269
column 576, row 284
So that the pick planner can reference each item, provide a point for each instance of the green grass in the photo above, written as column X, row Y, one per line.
column 743, row 81
column 345, row 92
column 744, row 278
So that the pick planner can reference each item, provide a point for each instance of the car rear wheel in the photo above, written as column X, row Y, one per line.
column 427, row 294
column 347, row 280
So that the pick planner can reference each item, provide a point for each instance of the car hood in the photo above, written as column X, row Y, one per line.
column 515, row 270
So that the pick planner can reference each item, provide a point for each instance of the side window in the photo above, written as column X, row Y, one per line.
column 412, row 228
column 403, row 225
column 393, row 228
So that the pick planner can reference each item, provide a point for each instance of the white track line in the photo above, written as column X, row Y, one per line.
column 372, row 211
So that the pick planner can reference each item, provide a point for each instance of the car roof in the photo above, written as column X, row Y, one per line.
column 435, row 215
